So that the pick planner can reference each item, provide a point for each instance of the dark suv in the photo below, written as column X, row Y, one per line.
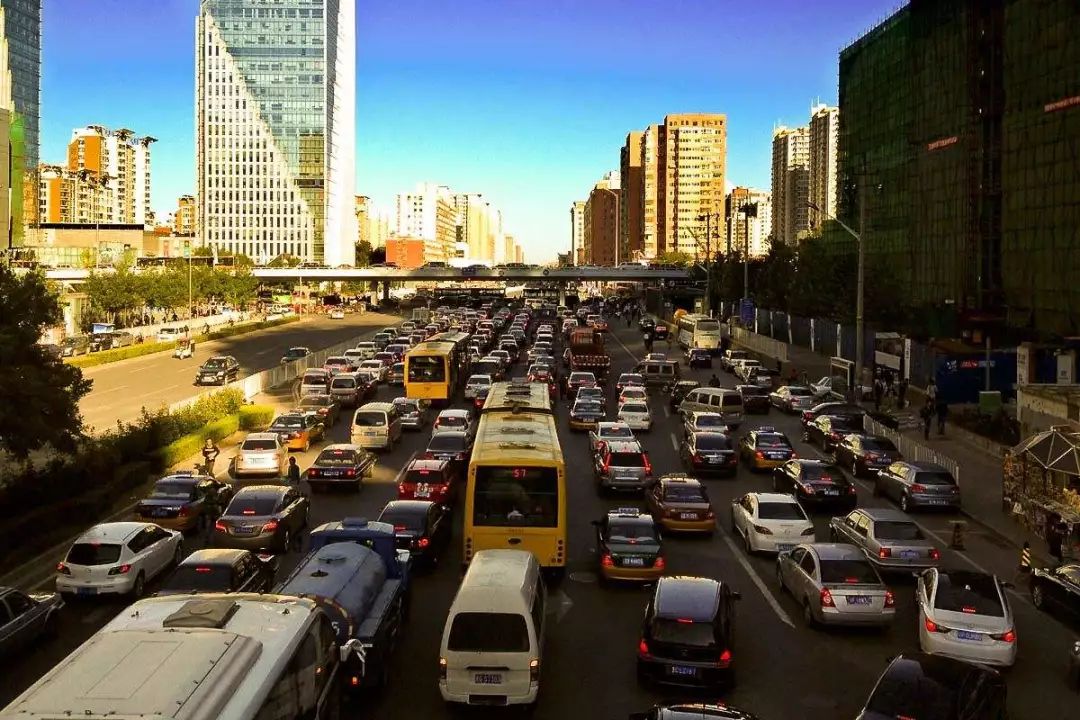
column 930, row 686
column 687, row 634
column 918, row 485
column 622, row 465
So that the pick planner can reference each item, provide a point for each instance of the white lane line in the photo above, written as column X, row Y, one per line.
column 625, row 349
column 263, row 352
column 94, row 615
column 674, row 442
column 667, row 413
column 737, row 553
column 99, row 393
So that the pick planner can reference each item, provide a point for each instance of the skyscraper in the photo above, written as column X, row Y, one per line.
column 22, row 32
column 577, row 232
column 428, row 213
column 275, row 127
column 630, row 207
column 601, row 225
column 122, row 160
column 650, row 165
column 748, row 229
column 692, row 154
column 824, row 130
column 790, row 183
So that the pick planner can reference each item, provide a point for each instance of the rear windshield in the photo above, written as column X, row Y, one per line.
column 817, row 472
column 780, row 511
column 447, row 442
column 934, row 478
column 707, row 326
column 636, row 408
column 343, row 383
column 479, row 380
column 897, row 530
column 771, row 441
column 404, row 519
column 452, row 421
column 289, row 422
column 840, row 572
column 613, row 433
column 968, row 593
column 259, row 445
column 203, row 578
column 314, row 379
column 639, row 533
column 627, row 459
column 241, row 505
column 731, row 400
column 370, row 419
column 696, row 634
column 434, row 477
column 709, row 421
column 337, row 361
column 799, row 392
column 315, row 401
column 336, row 457
column 173, row 491
column 406, row 406
column 685, row 493
column 488, row 632
column 913, row 695
column 754, row 391
column 93, row 554
column 713, row 441
column 878, row 444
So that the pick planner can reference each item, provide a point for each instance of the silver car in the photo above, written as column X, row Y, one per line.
column 414, row 413
column 793, row 398
column 965, row 615
column 261, row 455
column 890, row 539
column 476, row 383
column 609, row 432
column 835, row 585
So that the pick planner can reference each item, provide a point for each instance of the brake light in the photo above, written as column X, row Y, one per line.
column 534, row 671
column 759, row 455
column 311, row 472
column 969, row 609
column 933, row 627
column 270, row 526
column 643, row 649
column 884, row 552
column 399, row 528
column 607, row 560
column 423, row 542
column 794, row 454
column 1008, row 636
column 350, row 472
column 890, row 599
column 710, row 515
column 185, row 511
column 203, row 569
column 851, row 490
column 809, row 489
column 834, row 435
column 648, row 465
column 659, row 563
column 724, row 659
column 220, row 526
column 120, row 569
column 247, row 512
column 607, row 463
column 62, row 569
column 697, row 458
column 918, row 488
column 826, row 598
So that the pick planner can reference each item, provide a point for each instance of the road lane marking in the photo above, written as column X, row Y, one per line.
column 674, row 442
column 739, row 556
column 99, row 393
column 667, row 413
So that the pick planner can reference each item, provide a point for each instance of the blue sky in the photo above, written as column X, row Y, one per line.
column 525, row 101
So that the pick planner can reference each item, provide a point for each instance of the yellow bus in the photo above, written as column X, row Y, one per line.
column 515, row 496
column 435, row 368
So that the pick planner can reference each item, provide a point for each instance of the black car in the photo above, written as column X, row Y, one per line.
column 709, row 453
column 834, row 408
column 679, row 390
column 452, row 445
column 828, row 430
column 420, row 526
column 755, row 399
column 815, row 483
column 24, row 618
column 262, row 517
column 222, row 571
column 660, row 331
column 687, row 634
column 916, row 685
column 219, row 370
column 693, row 711
column 340, row 465
column 865, row 454
column 698, row 357
column 1057, row 590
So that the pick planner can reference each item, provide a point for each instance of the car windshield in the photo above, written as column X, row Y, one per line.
column 369, row 419
column 780, row 511
column 200, row 578
column 712, row 441
column 92, row 553
column 488, row 632
column 709, row 421
column 916, row 695
column 681, row 632
column 447, row 442
column 635, row 408
column 934, row 478
column 165, row 490
column 259, row 445
column 849, row 572
column 685, row 494
column 638, row 533
column 772, row 441
column 897, row 530
column 969, row 593
column 251, row 505
column 215, row 363
column 878, row 445
column 336, row 457
column 291, row 422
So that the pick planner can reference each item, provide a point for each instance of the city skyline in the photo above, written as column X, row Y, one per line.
column 552, row 77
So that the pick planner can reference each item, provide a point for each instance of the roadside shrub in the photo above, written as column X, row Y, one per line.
column 108, row 356
column 226, row 332
column 256, row 417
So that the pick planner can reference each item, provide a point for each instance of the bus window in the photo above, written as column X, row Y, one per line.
column 426, row 369
column 516, row 496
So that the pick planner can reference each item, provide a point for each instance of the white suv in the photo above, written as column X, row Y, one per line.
column 117, row 558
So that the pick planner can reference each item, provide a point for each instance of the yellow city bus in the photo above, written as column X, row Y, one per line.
column 435, row 368
column 515, row 496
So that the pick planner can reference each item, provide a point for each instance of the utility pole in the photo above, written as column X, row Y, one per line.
column 860, row 291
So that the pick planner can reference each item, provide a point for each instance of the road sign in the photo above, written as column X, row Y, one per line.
column 187, row 248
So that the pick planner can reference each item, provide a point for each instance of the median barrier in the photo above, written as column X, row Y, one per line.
column 760, row 343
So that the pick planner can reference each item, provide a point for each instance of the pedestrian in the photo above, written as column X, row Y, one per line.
column 942, row 414
column 1024, row 569
column 210, row 452
column 629, row 319
column 1055, row 536
column 793, row 376
column 714, row 381
column 211, row 512
column 292, row 474
column 927, row 415
column 901, row 392
column 931, row 392
column 879, row 391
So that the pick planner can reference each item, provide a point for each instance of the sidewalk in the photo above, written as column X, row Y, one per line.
column 980, row 471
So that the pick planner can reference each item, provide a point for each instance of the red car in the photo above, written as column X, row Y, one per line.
column 434, row 480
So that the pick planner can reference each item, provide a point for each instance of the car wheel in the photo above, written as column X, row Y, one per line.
column 904, row 502
column 747, row 542
column 808, row 614
column 1038, row 599
column 286, row 542
column 139, row 587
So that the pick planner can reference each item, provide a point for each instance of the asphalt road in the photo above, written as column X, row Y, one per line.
column 785, row 670
column 123, row 388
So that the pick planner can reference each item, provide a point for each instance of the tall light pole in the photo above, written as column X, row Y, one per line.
column 707, row 218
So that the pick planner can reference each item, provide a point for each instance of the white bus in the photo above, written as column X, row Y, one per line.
column 699, row 331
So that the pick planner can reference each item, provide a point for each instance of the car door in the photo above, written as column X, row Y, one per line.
column 292, row 508
column 861, row 536
column 924, row 592
column 789, row 564
column 21, row 620
column 846, row 527
column 439, row 525
column 846, row 450
column 159, row 550
column 1064, row 590
column 805, row 577
column 889, row 480
column 745, row 510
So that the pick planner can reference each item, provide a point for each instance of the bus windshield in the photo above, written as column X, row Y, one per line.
column 427, row 369
column 516, row 497
column 708, row 326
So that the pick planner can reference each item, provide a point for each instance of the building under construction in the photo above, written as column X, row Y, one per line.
column 959, row 156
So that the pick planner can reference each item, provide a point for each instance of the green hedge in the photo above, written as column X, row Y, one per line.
column 149, row 348
column 256, row 417
column 187, row 445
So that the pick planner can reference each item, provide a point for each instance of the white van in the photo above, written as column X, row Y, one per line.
column 493, row 640
column 376, row 425
column 726, row 403
column 366, row 350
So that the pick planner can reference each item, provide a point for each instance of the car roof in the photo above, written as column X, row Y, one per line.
column 624, row 445
column 261, row 491
column 181, row 478
column 807, row 462
column 942, row 670
column 214, row 556
column 112, row 532
column 681, row 596
column 261, row 436
column 629, row 513
column 837, row 551
column 448, row 433
column 455, row 413
column 427, row 464
column 885, row 514
column 407, row 507
column 770, row 497
column 606, row 425
column 924, row 466
column 675, row 479
column 341, row 446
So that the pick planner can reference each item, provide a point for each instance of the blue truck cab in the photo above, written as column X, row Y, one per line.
column 361, row 581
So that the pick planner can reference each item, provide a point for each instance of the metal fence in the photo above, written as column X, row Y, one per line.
column 910, row 448
column 759, row 343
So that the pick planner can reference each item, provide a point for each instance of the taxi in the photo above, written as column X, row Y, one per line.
column 183, row 501
column 765, row 448
column 680, row 504
column 628, row 546
column 298, row 430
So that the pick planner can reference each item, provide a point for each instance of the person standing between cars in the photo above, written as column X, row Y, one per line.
column 927, row 415
column 210, row 452
column 879, row 391
column 931, row 392
column 714, row 381
column 292, row 474
column 942, row 414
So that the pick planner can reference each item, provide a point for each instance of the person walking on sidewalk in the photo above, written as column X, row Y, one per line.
column 931, row 392
column 210, row 452
column 879, row 392
column 1055, row 537
column 901, row 393
column 1024, row 570
column 942, row 414
column 927, row 415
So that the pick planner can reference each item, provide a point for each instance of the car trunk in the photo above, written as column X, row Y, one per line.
column 857, row 598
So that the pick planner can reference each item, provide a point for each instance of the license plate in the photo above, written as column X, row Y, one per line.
column 422, row 493
column 909, row 554
column 688, row 516
column 369, row 433
column 159, row 512
column 682, row 670
column 487, row 678
column 243, row 530
column 832, row 492
column 86, row 591
column 775, row 456
column 783, row 547
column 936, row 501
column 969, row 636
column 858, row 599
column 331, row 473
column 634, row 562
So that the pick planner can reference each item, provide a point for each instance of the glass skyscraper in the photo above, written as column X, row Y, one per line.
column 275, row 128
column 22, row 29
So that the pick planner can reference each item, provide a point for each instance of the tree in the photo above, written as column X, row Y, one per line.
column 240, row 288
column 39, row 394
column 284, row 261
column 363, row 254
column 378, row 256
column 116, row 294
column 676, row 257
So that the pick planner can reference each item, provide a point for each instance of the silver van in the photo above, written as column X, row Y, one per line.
column 658, row 373
column 376, row 425
column 725, row 402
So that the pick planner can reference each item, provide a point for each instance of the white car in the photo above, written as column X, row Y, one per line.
column 476, row 384
column 636, row 415
column 770, row 522
column 117, row 558
column 633, row 393
column 375, row 369
column 337, row 314
column 453, row 421
column 261, row 455
column 965, row 615
column 609, row 432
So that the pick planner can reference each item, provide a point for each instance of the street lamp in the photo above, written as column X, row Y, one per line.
column 859, row 285
column 707, row 219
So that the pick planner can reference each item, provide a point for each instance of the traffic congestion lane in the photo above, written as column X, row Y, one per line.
column 122, row 389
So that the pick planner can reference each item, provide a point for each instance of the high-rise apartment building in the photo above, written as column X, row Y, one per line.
column 692, row 153
column 22, row 36
column 372, row 223
column 478, row 226
column 121, row 159
column 577, row 232
column 650, row 191
column 601, row 227
column 824, row 131
column 275, row 127
column 790, row 184
column 184, row 217
column 428, row 213
column 748, row 219
column 519, row 253
column 75, row 196
column 631, row 226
